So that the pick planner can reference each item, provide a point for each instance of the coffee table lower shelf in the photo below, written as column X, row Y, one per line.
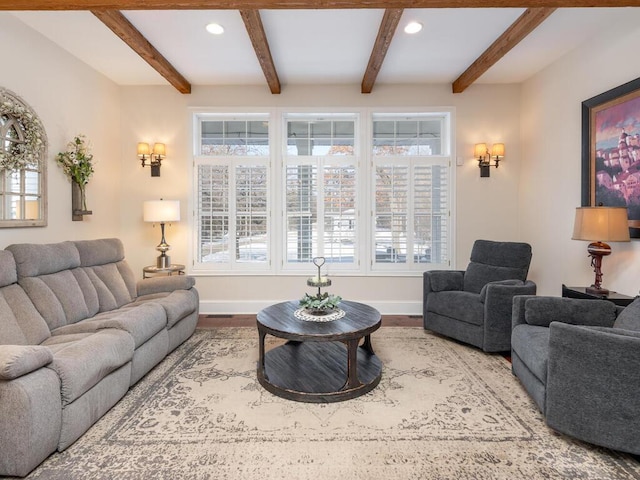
column 317, row 372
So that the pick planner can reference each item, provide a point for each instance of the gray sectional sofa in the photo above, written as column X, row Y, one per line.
column 76, row 331
column 580, row 362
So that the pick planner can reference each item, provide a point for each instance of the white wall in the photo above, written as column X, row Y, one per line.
column 486, row 208
column 550, row 182
column 70, row 98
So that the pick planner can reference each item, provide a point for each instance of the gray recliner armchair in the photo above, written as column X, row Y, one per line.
column 580, row 362
column 474, row 305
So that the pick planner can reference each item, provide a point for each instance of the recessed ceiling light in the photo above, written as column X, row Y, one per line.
column 413, row 27
column 215, row 29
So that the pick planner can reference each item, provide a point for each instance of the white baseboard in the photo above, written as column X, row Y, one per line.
column 214, row 307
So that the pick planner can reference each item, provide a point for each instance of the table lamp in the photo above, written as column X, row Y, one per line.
column 599, row 225
column 162, row 211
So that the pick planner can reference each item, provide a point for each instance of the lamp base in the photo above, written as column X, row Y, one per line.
column 163, row 261
column 603, row 292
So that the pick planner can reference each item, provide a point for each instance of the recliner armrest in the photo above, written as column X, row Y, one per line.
column 443, row 280
column 166, row 284
column 18, row 360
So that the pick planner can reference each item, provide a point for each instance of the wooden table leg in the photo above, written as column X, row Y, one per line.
column 352, row 364
column 261, row 365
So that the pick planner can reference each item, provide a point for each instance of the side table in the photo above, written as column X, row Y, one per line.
column 580, row 292
column 152, row 270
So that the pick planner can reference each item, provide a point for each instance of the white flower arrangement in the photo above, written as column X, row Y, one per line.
column 27, row 152
column 77, row 161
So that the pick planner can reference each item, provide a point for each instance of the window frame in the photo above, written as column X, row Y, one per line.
column 365, row 265
column 233, row 266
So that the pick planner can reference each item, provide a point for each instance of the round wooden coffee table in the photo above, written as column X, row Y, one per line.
column 322, row 361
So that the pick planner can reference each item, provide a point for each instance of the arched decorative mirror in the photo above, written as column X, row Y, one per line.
column 23, row 169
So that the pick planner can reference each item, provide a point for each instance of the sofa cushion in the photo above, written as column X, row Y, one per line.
column 463, row 306
column 33, row 260
column 82, row 360
column 478, row 275
column 629, row 318
column 100, row 252
column 541, row 311
column 177, row 305
column 18, row 360
column 142, row 322
column 110, row 286
column 58, row 297
column 531, row 344
column 22, row 324
column 8, row 272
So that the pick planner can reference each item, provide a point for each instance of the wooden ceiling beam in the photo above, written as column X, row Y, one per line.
column 298, row 4
column 388, row 26
column 522, row 27
column 130, row 35
column 255, row 29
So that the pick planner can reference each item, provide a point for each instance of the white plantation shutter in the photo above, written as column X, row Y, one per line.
column 412, row 192
column 233, row 194
column 321, row 191
column 403, row 176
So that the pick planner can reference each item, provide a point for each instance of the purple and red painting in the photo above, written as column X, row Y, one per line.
column 616, row 138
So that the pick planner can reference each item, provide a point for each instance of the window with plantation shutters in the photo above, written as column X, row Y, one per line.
column 233, row 194
column 411, row 185
column 320, row 192
column 370, row 192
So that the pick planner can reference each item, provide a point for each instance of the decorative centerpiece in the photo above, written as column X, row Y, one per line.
column 321, row 307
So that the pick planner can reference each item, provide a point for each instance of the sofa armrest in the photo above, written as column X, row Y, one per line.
column 498, row 308
column 166, row 284
column 442, row 280
column 18, row 360
column 593, row 385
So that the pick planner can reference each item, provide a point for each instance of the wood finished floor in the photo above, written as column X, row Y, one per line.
column 215, row 321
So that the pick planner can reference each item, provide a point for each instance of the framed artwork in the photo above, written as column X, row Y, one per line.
column 611, row 151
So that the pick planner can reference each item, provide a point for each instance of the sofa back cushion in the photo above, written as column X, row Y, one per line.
column 541, row 311
column 109, row 273
column 629, row 318
column 20, row 322
column 496, row 261
column 51, row 276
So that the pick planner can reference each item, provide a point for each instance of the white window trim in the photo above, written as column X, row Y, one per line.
column 277, row 118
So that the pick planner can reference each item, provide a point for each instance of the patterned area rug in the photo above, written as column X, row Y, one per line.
column 441, row 411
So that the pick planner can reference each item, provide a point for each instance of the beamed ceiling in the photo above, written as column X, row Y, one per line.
column 305, row 42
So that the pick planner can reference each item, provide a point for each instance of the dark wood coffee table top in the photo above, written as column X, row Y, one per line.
column 359, row 320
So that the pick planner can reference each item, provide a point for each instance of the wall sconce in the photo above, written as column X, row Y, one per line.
column 481, row 152
column 154, row 158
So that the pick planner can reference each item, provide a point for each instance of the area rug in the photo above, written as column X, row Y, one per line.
column 442, row 411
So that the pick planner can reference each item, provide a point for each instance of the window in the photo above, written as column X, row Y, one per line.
column 411, row 204
column 321, row 191
column 370, row 197
column 233, row 193
column 22, row 164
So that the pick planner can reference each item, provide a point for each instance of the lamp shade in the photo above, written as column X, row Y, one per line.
column 161, row 211
column 497, row 150
column 480, row 150
column 604, row 224
column 159, row 149
column 143, row 148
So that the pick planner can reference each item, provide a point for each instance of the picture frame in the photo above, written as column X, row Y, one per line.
column 611, row 151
